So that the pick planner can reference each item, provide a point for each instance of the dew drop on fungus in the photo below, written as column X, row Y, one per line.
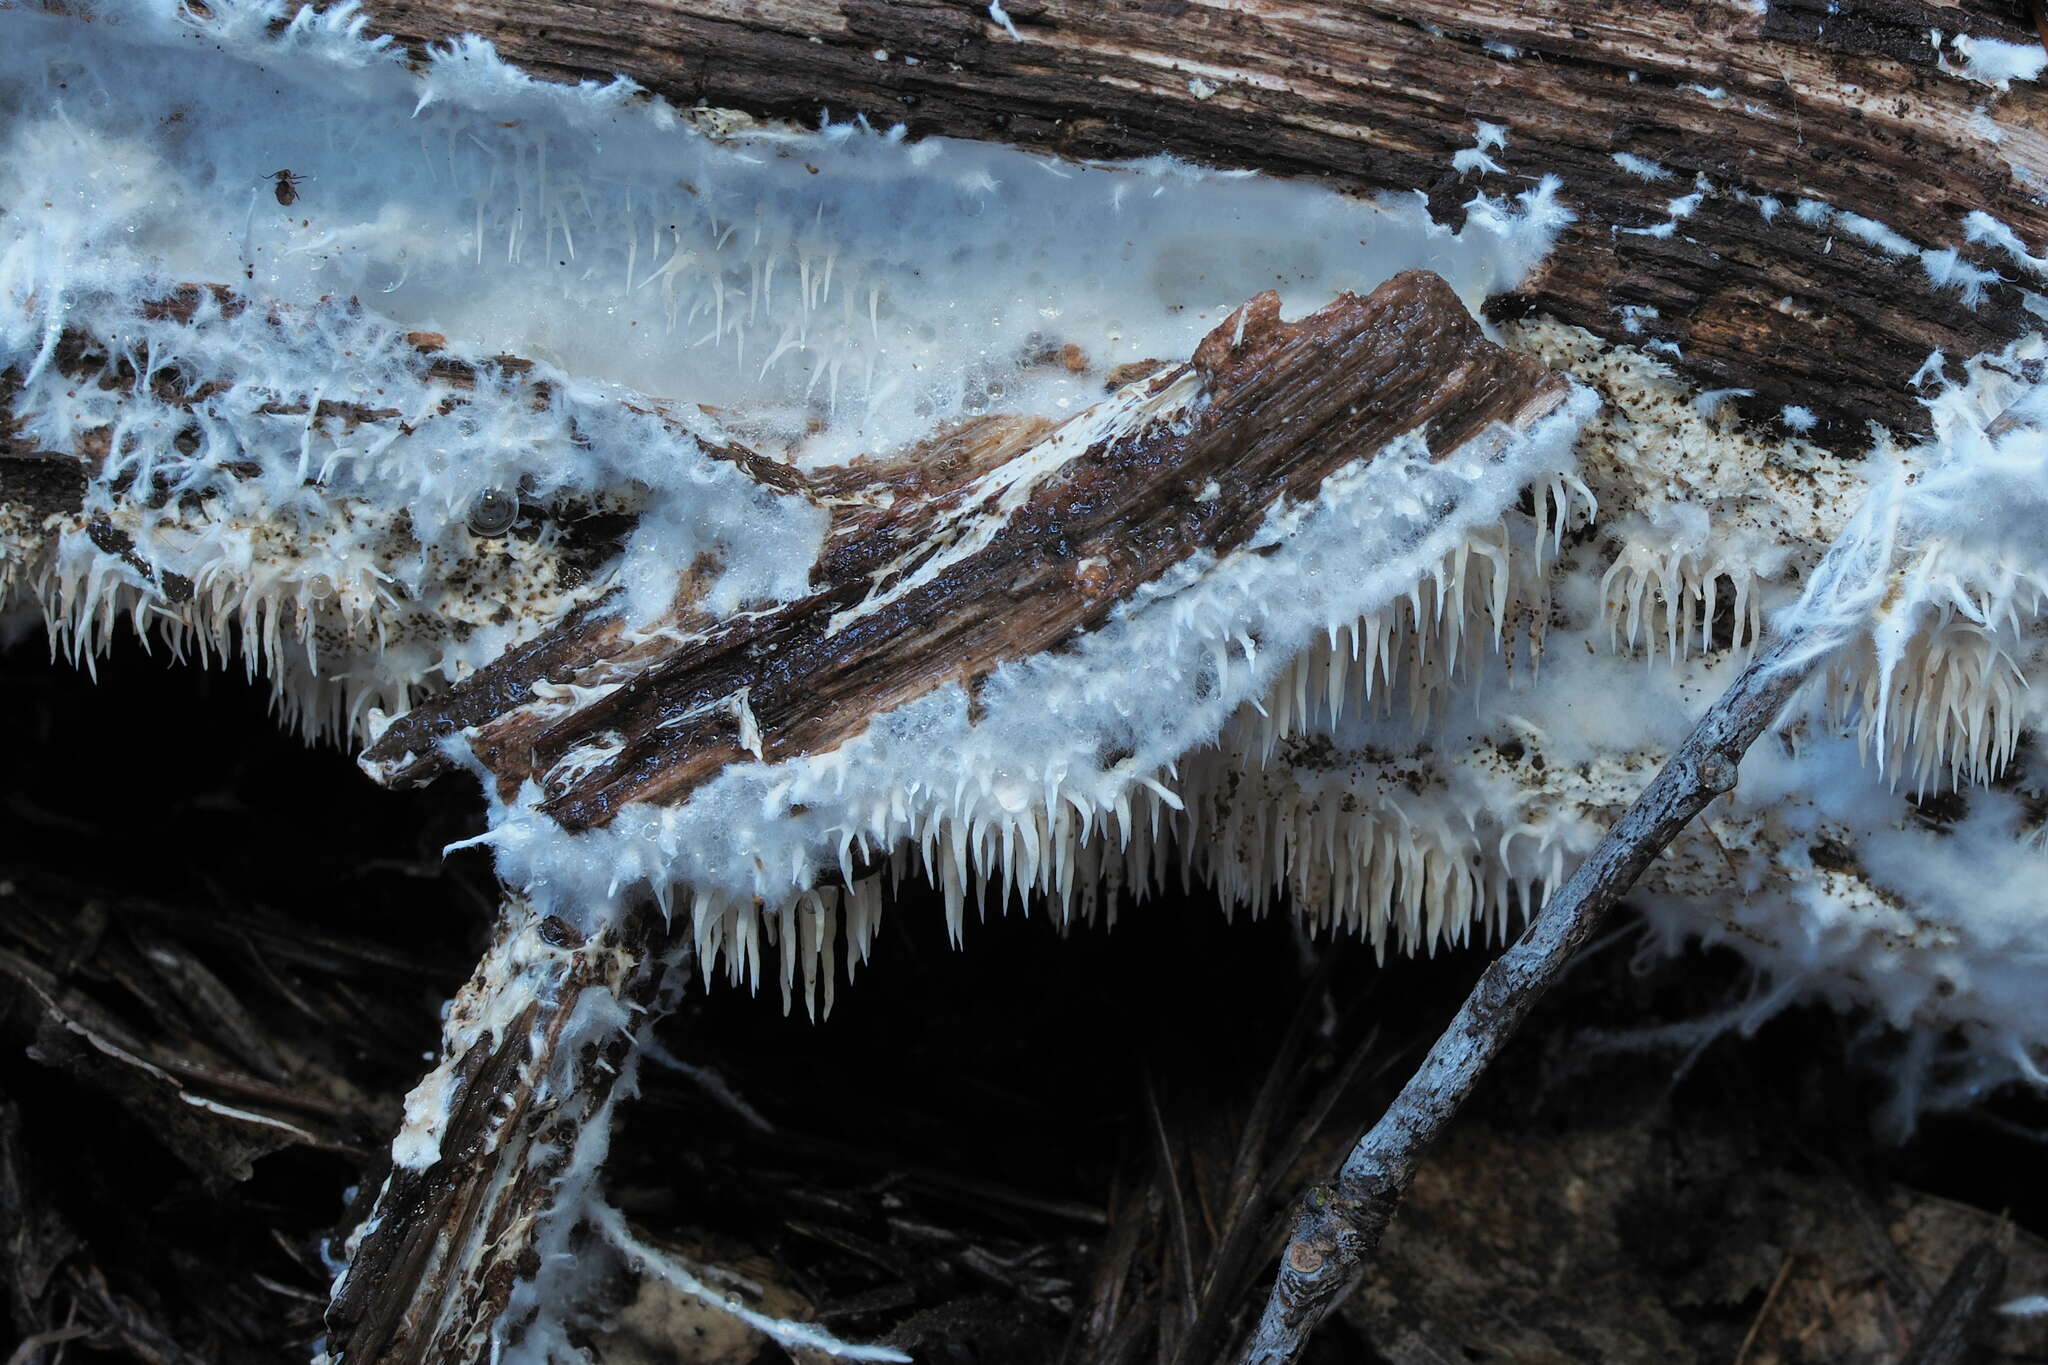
column 493, row 512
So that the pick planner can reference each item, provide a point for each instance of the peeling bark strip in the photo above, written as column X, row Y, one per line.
column 1841, row 101
column 944, row 588
column 531, row 1055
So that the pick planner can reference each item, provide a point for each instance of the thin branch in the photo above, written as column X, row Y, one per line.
column 1337, row 1228
column 1176, row 1207
column 786, row 1332
column 1950, row 1334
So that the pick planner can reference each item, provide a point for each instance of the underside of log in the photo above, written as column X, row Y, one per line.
column 1053, row 534
column 1756, row 107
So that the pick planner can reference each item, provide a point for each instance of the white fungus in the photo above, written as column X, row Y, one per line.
column 1994, row 61
column 1479, row 695
column 1640, row 167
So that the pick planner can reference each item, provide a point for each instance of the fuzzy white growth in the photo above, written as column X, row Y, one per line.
column 1943, row 612
column 1488, row 137
column 1944, row 267
column 278, row 515
column 1061, row 748
column 1994, row 61
column 782, row 277
column 1516, row 236
column 1641, row 168
column 1938, row 679
column 797, row 1336
column 787, row 275
column 1980, row 226
column 1488, row 596
column 1840, row 888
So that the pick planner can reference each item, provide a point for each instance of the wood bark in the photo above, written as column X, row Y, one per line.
column 522, row 1076
column 1847, row 103
column 1284, row 406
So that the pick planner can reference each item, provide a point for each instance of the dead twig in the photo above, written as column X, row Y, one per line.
column 1953, row 1324
column 1756, row 1324
column 1337, row 1228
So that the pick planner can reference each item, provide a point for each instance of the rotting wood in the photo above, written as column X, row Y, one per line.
column 1284, row 406
column 1844, row 102
column 523, row 1074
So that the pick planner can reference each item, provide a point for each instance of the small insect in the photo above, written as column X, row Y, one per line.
column 287, row 186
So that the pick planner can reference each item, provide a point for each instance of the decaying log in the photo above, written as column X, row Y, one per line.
column 1734, row 110
column 532, row 1052
column 1286, row 405
column 1850, row 104
column 1067, row 523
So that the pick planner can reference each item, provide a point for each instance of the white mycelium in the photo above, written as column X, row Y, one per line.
column 1410, row 704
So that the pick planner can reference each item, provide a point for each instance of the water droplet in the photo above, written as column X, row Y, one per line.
column 493, row 512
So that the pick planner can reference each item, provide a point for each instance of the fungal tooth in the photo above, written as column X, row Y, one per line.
column 785, row 940
column 827, row 962
column 956, row 903
column 810, row 920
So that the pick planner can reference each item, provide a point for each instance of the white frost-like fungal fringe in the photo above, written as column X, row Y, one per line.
column 1061, row 742
column 783, row 277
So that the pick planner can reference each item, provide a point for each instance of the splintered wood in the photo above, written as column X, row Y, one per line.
column 1000, row 542
column 497, row 1140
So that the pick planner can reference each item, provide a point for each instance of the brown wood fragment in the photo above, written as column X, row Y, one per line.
column 1841, row 101
column 448, row 1242
column 1285, row 405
